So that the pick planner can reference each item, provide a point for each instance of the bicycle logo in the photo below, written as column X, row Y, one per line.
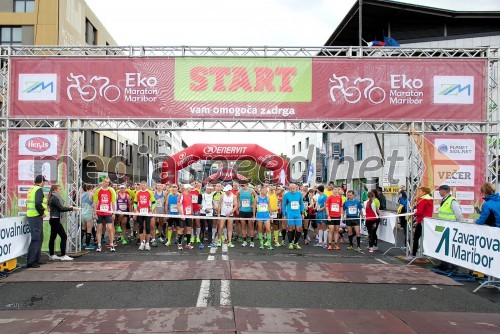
column 352, row 94
column 88, row 92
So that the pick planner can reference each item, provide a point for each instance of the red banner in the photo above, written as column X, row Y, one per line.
column 249, row 88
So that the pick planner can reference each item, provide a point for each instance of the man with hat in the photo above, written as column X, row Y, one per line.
column 449, row 209
column 36, row 205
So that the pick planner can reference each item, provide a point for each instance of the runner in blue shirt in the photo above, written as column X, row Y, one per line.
column 293, row 211
column 321, row 217
column 352, row 212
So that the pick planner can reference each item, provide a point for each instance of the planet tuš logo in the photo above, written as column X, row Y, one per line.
column 466, row 247
column 443, row 148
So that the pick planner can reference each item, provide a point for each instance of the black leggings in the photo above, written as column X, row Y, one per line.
column 56, row 229
column 371, row 226
column 416, row 238
column 203, row 224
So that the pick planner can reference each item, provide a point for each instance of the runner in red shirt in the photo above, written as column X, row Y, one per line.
column 334, row 212
column 145, row 203
column 104, row 204
column 195, row 198
column 185, row 208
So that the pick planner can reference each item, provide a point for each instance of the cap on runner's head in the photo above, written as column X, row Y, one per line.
column 209, row 186
column 228, row 187
column 188, row 186
column 40, row 179
column 122, row 186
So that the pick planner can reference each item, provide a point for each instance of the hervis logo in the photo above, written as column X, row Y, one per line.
column 37, row 87
column 467, row 247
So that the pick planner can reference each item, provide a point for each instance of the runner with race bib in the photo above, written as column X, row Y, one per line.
column 144, row 204
column 352, row 213
column 293, row 207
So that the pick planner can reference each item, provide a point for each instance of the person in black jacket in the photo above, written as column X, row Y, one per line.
column 381, row 199
column 56, row 206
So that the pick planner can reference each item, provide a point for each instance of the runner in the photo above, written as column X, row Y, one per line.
column 311, row 214
column 293, row 212
column 372, row 219
column 246, row 204
column 273, row 212
column 104, row 203
column 305, row 222
column 321, row 217
column 158, row 223
column 261, row 207
column 334, row 214
column 144, row 203
column 352, row 212
column 217, row 203
column 172, row 209
column 237, row 234
column 196, row 201
column 228, row 207
column 281, row 192
column 329, row 189
column 185, row 208
column 206, row 212
column 123, row 204
column 87, row 215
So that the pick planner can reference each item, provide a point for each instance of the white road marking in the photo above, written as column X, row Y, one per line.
column 203, row 294
column 225, row 257
column 382, row 261
column 225, row 292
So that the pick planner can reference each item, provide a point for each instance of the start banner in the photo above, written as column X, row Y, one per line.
column 469, row 246
column 15, row 238
column 248, row 88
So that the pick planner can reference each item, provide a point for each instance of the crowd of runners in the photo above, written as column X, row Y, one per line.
column 192, row 215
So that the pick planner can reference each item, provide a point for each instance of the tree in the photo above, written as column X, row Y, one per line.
column 252, row 170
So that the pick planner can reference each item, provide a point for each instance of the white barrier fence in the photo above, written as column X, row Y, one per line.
column 15, row 238
column 469, row 246
column 386, row 229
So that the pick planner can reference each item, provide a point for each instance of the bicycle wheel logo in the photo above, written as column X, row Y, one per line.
column 88, row 92
column 340, row 88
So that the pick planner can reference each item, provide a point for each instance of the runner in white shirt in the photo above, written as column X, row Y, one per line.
column 228, row 207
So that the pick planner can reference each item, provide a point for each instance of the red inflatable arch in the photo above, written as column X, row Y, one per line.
column 225, row 152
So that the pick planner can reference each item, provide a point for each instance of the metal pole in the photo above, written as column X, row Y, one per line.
column 360, row 17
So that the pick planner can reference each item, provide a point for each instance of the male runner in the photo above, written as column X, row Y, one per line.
column 293, row 212
column 196, row 200
column 334, row 213
column 273, row 212
column 206, row 212
column 261, row 210
column 123, row 204
column 321, row 217
column 172, row 209
column 352, row 212
column 185, row 208
column 245, row 202
column 158, row 223
column 144, row 204
column 228, row 207
column 104, row 203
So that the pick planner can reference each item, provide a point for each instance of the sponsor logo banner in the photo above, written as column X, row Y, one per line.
column 457, row 176
column 28, row 169
column 15, row 238
column 37, row 87
column 454, row 89
column 455, row 149
column 385, row 231
column 38, row 145
column 250, row 88
column 464, row 195
column 466, row 245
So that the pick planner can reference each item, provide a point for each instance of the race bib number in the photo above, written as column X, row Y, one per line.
column 352, row 210
column 335, row 208
column 294, row 205
column 194, row 199
column 104, row 207
column 173, row 208
column 274, row 215
column 123, row 207
column 209, row 213
column 188, row 210
column 262, row 207
column 144, row 210
column 245, row 203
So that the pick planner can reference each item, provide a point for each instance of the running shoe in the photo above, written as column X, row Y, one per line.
column 54, row 257
column 167, row 244
column 342, row 240
column 153, row 243
column 119, row 229
column 323, row 245
column 142, row 246
column 188, row 246
column 270, row 247
column 267, row 243
column 336, row 247
column 261, row 246
column 179, row 247
column 359, row 249
column 329, row 247
column 213, row 245
column 371, row 250
column 89, row 247
column 112, row 249
column 283, row 243
column 201, row 246
column 297, row 246
column 160, row 239
column 99, row 249
column 198, row 240
column 230, row 245
column 108, row 244
column 147, row 247
column 290, row 246
column 244, row 244
column 176, row 242
column 124, row 242
column 240, row 240
column 350, row 248
column 277, row 244
column 252, row 244
column 219, row 243
column 191, row 241
column 66, row 258
column 375, row 248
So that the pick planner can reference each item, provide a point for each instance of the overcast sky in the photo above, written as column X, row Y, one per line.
column 237, row 23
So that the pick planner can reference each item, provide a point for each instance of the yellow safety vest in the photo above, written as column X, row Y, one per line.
column 445, row 210
column 30, row 202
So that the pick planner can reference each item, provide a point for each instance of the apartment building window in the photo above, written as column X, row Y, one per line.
column 300, row 146
column 90, row 33
column 94, row 143
column 341, row 157
column 129, row 155
column 300, row 166
column 359, row 152
column 307, row 143
column 109, row 147
column 11, row 36
column 293, row 149
column 24, row 6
